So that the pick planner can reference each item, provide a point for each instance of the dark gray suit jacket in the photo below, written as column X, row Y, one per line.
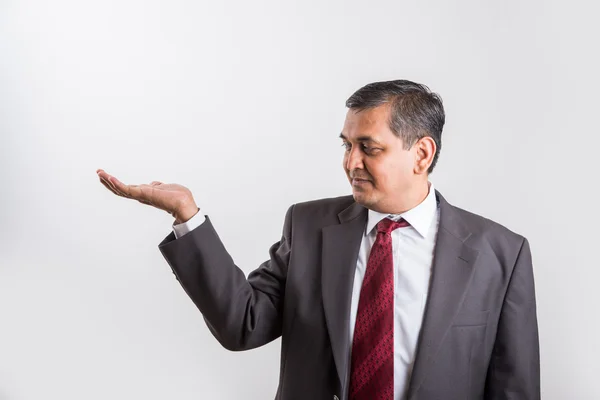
column 479, row 338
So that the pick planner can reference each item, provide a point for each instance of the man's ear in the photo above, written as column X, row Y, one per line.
column 425, row 150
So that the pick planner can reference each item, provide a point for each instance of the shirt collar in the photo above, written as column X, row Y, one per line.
column 419, row 217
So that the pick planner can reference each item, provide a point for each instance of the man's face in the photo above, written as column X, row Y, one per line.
column 377, row 166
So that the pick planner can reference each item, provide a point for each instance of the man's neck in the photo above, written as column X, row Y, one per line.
column 409, row 201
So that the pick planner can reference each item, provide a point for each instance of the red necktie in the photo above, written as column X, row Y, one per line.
column 372, row 364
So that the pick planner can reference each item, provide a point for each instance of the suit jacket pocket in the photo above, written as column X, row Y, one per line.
column 470, row 318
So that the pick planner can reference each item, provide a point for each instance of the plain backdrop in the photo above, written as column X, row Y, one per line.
column 243, row 102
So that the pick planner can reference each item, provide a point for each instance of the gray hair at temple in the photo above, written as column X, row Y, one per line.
column 416, row 112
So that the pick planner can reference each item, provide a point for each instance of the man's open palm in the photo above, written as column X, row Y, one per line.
column 175, row 199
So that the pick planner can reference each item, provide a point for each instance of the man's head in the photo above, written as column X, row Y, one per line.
column 392, row 138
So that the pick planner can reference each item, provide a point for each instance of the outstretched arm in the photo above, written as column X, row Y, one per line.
column 241, row 313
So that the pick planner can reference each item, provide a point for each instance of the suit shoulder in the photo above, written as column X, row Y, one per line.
column 324, row 209
column 489, row 234
column 328, row 202
column 484, row 223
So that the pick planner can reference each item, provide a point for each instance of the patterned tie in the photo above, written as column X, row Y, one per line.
column 372, row 368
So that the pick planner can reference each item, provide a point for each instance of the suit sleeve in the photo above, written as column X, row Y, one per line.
column 241, row 313
column 514, row 371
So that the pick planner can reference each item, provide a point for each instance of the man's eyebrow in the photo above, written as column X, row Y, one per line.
column 364, row 138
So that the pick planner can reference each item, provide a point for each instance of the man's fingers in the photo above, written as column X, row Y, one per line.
column 120, row 189
column 134, row 192
column 129, row 191
column 142, row 193
column 110, row 183
column 109, row 187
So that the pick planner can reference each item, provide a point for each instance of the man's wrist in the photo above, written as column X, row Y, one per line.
column 186, row 213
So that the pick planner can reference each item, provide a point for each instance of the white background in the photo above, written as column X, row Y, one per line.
column 242, row 102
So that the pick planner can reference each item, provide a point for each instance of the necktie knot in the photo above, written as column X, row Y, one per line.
column 386, row 225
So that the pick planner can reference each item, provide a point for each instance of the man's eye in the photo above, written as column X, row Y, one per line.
column 346, row 145
column 370, row 150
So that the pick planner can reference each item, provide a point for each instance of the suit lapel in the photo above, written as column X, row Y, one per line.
column 451, row 274
column 341, row 244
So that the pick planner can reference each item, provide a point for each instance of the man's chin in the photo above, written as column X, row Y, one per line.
column 361, row 198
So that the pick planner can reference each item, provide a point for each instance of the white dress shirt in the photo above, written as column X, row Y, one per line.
column 412, row 249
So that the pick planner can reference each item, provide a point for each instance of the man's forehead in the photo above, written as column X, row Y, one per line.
column 370, row 124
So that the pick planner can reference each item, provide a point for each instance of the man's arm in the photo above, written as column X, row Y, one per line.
column 241, row 313
column 514, row 371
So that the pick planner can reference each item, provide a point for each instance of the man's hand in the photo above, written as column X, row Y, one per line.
column 175, row 199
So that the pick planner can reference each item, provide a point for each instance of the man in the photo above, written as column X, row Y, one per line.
column 391, row 293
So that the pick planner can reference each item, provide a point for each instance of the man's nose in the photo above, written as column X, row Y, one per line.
column 354, row 159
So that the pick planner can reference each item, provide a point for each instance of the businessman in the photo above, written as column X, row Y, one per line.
column 388, row 293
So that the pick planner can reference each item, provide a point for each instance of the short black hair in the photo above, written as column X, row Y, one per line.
column 416, row 112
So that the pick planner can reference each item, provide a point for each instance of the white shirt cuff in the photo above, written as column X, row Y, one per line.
column 189, row 225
